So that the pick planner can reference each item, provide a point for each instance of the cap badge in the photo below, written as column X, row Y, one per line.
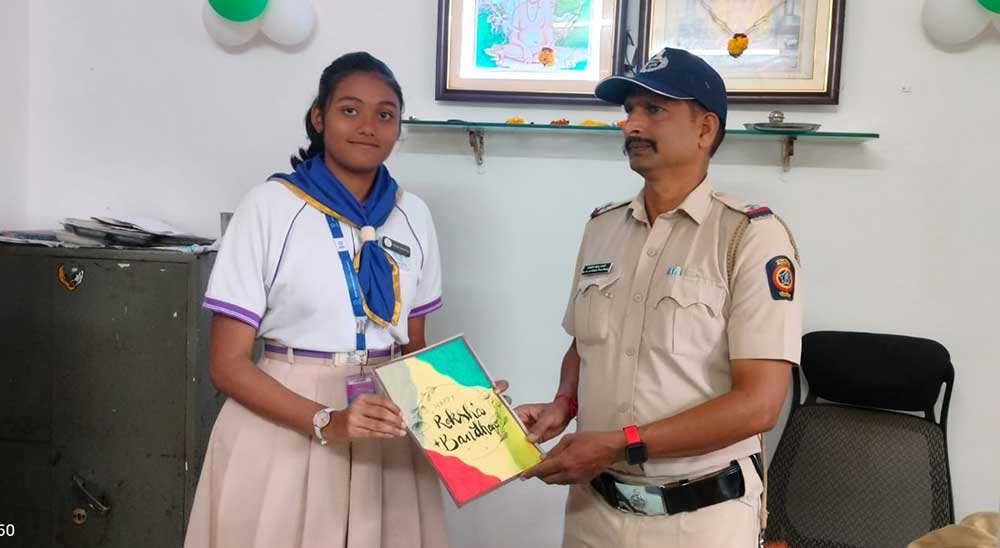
column 657, row 62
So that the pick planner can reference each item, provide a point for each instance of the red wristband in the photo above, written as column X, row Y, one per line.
column 632, row 434
column 570, row 402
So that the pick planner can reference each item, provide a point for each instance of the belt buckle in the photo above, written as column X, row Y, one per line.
column 354, row 357
column 642, row 500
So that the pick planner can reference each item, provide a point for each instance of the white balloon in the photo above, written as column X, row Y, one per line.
column 951, row 22
column 289, row 22
column 226, row 32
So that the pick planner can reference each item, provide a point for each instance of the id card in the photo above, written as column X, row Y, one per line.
column 362, row 383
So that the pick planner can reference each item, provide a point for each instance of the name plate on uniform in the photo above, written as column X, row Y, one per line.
column 393, row 245
column 599, row 268
column 470, row 434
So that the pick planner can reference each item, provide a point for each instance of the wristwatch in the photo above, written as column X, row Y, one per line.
column 635, row 451
column 320, row 420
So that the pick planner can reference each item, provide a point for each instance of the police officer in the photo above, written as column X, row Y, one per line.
column 685, row 321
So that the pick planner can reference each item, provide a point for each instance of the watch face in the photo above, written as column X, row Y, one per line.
column 321, row 419
column 636, row 453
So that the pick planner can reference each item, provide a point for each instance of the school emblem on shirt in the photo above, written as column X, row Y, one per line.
column 599, row 268
column 781, row 278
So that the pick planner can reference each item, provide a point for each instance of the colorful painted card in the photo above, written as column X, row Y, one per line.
column 470, row 434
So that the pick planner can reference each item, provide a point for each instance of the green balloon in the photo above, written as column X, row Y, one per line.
column 992, row 5
column 238, row 10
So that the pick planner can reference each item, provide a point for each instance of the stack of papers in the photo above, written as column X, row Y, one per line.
column 110, row 232
column 149, row 233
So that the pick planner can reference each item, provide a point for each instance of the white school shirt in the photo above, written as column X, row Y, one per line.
column 278, row 271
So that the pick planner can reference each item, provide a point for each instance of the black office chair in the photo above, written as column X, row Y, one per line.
column 852, row 469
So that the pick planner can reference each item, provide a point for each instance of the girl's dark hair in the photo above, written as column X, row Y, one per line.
column 342, row 67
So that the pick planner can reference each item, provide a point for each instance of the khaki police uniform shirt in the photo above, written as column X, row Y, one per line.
column 656, row 322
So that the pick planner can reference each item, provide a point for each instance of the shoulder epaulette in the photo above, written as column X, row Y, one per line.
column 752, row 211
column 758, row 212
column 608, row 207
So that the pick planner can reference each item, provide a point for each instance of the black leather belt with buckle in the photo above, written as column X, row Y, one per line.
column 683, row 496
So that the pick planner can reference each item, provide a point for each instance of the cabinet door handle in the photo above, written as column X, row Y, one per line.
column 94, row 502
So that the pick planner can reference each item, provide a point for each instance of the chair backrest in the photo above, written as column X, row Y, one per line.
column 881, row 371
column 853, row 471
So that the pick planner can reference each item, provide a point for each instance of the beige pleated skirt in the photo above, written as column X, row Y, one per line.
column 266, row 486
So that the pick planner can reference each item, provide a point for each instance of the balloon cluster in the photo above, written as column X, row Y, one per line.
column 235, row 22
column 953, row 22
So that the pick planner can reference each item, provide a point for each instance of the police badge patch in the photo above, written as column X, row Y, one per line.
column 781, row 278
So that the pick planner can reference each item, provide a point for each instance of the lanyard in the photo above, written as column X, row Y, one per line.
column 353, row 285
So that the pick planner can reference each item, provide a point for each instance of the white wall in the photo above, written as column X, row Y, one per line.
column 14, row 63
column 134, row 110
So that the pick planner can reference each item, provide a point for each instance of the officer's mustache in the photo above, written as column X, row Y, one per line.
column 629, row 141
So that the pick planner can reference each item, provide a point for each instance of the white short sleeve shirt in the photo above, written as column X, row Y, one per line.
column 278, row 271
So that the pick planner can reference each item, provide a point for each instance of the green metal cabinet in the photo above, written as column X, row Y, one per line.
column 105, row 401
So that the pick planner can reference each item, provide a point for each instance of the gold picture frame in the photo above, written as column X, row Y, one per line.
column 527, row 51
column 794, row 46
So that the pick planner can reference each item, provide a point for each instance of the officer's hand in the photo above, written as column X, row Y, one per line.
column 544, row 420
column 500, row 387
column 370, row 416
column 578, row 458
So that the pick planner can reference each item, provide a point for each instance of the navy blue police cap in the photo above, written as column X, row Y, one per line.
column 673, row 73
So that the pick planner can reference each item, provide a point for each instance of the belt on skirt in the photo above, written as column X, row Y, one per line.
column 355, row 357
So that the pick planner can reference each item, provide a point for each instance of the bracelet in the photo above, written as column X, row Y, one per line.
column 570, row 402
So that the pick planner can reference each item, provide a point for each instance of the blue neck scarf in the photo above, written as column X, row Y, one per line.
column 378, row 275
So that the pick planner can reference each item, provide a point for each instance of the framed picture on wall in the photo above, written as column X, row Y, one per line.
column 767, row 51
column 527, row 51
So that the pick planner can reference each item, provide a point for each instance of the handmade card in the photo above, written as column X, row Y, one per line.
column 470, row 434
